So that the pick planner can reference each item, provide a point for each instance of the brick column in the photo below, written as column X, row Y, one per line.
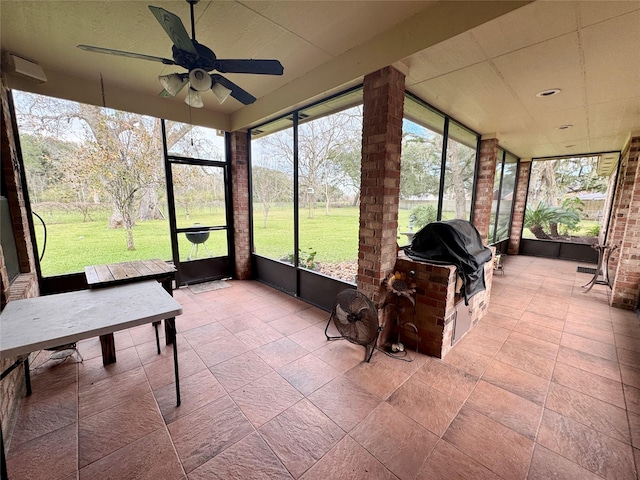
column 520, row 199
column 626, row 230
column 622, row 201
column 484, row 186
column 241, row 203
column 25, row 285
column 380, row 178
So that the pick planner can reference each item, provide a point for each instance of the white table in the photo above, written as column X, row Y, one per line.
column 49, row 321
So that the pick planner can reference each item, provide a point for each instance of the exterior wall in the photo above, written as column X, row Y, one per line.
column 12, row 388
column 520, row 196
column 626, row 231
column 241, row 204
column 380, row 181
column 621, row 205
column 484, row 187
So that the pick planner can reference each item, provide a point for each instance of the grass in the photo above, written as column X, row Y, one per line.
column 583, row 227
column 72, row 244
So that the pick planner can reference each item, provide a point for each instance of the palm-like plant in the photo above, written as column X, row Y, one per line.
column 545, row 215
column 538, row 218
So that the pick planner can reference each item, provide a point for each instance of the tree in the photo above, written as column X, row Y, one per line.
column 325, row 145
column 350, row 161
column 321, row 142
column 460, row 169
column 119, row 154
column 557, row 182
column 420, row 172
column 119, row 163
column 43, row 158
column 270, row 186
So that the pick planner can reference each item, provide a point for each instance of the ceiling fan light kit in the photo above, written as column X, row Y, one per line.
column 194, row 98
column 221, row 92
column 199, row 80
column 199, row 61
column 172, row 83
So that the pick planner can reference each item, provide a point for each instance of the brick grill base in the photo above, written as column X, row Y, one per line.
column 435, row 309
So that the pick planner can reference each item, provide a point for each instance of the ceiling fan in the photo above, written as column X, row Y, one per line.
column 199, row 60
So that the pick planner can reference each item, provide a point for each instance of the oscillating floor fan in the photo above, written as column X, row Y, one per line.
column 356, row 319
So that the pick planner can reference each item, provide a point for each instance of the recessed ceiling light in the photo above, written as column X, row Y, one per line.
column 548, row 93
column 564, row 127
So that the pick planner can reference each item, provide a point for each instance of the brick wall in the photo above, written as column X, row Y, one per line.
column 484, row 186
column 626, row 231
column 12, row 387
column 621, row 204
column 380, row 180
column 520, row 197
column 241, row 204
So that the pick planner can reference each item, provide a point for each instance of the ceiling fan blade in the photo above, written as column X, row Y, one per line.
column 174, row 28
column 141, row 56
column 236, row 92
column 262, row 67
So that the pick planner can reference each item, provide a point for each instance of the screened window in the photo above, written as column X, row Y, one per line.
column 272, row 189
column 459, row 172
column 96, row 178
column 305, row 170
column 566, row 199
column 432, row 187
column 184, row 140
column 421, row 168
column 329, row 152
column 503, row 191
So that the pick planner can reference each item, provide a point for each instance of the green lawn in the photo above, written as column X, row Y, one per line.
column 583, row 228
column 72, row 243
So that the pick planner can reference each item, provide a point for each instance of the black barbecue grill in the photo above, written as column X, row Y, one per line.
column 197, row 239
column 453, row 242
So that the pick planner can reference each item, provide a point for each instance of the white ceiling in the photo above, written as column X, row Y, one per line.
column 480, row 62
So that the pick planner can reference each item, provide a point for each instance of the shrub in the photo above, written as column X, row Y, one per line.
column 422, row 215
column 305, row 259
column 593, row 231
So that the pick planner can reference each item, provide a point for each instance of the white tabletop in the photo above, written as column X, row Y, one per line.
column 44, row 322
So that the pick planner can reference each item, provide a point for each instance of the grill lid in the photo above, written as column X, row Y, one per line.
column 453, row 242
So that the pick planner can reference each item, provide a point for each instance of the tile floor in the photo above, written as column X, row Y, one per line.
column 546, row 386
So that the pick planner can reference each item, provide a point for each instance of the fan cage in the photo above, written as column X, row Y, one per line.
column 356, row 318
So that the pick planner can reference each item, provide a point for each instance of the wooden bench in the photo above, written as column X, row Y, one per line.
column 109, row 275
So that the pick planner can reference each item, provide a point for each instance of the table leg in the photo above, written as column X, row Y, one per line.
column 27, row 375
column 175, row 362
column 108, row 349
column 155, row 326
column 3, row 461
column 169, row 333
column 170, row 330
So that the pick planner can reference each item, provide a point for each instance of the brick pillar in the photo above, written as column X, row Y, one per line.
column 241, row 202
column 380, row 178
column 626, row 230
column 25, row 285
column 622, row 202
column 520, row 198
column 484, row 186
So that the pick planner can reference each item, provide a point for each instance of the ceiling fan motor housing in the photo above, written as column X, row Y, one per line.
column 205, row 58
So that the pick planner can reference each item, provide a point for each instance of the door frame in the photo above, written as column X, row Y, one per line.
column 205, row 269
